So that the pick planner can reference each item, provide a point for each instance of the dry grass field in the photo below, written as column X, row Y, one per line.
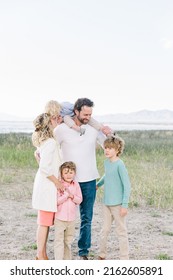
column 149, row 159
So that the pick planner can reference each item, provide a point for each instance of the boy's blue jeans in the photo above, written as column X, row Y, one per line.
column 86, row 213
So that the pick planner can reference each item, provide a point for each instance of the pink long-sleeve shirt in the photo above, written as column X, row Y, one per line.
column 67, row 207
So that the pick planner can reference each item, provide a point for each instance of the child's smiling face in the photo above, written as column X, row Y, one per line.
column 68, row 175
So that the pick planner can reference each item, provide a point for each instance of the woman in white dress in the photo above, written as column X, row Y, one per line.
column 46, row 182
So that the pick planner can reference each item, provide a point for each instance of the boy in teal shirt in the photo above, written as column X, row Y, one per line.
column 116, row 196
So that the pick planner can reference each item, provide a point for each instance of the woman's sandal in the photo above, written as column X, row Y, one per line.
column 37, row 259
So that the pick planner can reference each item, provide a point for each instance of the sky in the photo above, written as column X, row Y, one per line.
column 117, row 53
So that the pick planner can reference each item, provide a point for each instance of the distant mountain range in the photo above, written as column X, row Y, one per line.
column 144, row 116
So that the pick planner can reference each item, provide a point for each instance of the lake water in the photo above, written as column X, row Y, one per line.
column 27, row 127
column 17, row 127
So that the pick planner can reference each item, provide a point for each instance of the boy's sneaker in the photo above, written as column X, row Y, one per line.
column 83, row 258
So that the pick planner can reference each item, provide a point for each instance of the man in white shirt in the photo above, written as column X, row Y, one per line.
column 81, row 149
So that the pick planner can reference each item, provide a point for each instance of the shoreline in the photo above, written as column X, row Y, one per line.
column 7, row 127
column 124, row 129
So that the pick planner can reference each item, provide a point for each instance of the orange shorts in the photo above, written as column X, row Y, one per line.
column 45, row 218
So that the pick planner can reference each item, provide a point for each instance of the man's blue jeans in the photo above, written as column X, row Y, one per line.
column 86, row 213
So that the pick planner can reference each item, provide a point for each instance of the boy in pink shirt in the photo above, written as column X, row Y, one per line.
column 66, row 212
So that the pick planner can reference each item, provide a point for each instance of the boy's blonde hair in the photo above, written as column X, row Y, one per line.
column 116, row 142
column 52, row 108
column 69, row 165
column 43, row 129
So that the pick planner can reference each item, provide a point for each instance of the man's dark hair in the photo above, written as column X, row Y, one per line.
column 80, row 102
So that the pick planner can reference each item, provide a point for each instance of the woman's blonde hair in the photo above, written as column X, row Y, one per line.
column 116, row 142
column 52, row 108
column 43, row 129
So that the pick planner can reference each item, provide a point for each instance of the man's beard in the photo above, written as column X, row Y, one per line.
column 83, row 121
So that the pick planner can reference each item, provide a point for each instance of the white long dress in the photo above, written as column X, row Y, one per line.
column 44, row 191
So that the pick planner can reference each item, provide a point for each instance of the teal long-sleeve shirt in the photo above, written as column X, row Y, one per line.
column 116, row 183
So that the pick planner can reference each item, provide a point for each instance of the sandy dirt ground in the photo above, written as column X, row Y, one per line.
column 148, row 231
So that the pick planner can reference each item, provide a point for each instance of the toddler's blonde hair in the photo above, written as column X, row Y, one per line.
column 52, row 108
column 43, row 129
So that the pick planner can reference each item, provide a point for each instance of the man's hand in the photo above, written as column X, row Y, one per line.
column 106, row 130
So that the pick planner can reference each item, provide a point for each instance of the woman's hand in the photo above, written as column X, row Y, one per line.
column 59, row 185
